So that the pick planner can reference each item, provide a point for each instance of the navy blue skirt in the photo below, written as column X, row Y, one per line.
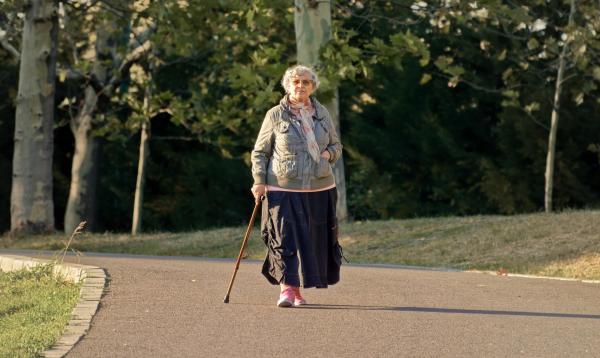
column 301, row 234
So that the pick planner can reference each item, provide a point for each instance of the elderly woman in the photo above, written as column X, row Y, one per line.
column 292, row 166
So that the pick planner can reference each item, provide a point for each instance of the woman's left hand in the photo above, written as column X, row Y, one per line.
column 325, row 154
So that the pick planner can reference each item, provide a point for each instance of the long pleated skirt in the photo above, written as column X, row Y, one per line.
column 301, row 234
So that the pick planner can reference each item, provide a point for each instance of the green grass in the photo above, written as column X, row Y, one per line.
column 35, row 307
column 565, row 244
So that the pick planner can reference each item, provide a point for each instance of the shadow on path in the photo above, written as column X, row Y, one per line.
column 452, row 311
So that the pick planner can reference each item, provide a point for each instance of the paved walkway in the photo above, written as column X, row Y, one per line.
column 173, row 307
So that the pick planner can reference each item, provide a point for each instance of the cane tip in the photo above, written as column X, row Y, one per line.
column 226, row 299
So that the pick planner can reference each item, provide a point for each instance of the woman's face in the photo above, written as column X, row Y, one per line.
column 301, row 87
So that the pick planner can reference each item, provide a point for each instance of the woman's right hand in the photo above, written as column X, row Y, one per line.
column 258, row 190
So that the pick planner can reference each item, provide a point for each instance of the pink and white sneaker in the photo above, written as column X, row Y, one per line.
column 286, row 297
column 298, row 299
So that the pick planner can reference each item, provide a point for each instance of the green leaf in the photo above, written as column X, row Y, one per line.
column 578, row 98
column 425, row 78
column 250, row 18
column 532, row 107
column 442, row 62
column 506, row 74
column 533, row 44
column 596, row 73
column 502, row 55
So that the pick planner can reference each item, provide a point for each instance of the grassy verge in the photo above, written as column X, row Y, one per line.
column 34, row 310
column 563, row 244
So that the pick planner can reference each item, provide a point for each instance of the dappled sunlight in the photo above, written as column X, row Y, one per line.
column 586, row 266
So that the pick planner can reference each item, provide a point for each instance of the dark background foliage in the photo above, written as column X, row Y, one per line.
column 412, row 147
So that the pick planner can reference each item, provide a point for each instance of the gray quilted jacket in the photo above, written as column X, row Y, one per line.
column 280, row 156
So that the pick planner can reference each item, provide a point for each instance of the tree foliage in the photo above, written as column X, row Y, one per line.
column 445, row 106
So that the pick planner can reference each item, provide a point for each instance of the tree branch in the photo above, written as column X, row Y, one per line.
column 568, row 78
column 473, row 85
column 131, row 57
column 174, row 138
column 536, row 121
column 7, row 46
column 144, row 48
column 74, row 75
column 111, row 6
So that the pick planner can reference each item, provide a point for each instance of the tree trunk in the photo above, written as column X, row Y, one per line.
column 313, row 29
column 550, row 158
column 81, row 204
column 84, row 172
column 32, row 206
column 333, row 107
column 136, row 226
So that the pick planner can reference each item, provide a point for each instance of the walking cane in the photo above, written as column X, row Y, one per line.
column 244, row 243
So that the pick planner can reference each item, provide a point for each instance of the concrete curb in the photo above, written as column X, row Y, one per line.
column 494, row 273
column 484, row 272
column 93, row 281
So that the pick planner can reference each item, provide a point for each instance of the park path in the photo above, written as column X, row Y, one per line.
column 173, row 307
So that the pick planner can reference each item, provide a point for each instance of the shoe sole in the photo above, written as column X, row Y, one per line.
column 284, row 304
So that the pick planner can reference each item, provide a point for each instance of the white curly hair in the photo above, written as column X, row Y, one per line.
column 298, row 70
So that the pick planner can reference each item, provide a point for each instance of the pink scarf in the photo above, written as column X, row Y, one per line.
column 305, row 111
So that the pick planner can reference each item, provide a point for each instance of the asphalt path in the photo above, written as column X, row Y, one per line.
column 173, row 307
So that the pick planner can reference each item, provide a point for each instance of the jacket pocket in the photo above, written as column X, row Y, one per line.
column 323, row 168
column 283, row 127
column 287, row 140
column 286, row 166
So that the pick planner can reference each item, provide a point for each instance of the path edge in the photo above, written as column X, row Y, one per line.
column 93, row 281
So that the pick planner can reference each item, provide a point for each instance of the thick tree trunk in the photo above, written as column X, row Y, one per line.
column 136, row 226
column 333, row 107
column 84, row 172
column 32, row 206
column 81, row 204
column 313, row 29
column 550, row 157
